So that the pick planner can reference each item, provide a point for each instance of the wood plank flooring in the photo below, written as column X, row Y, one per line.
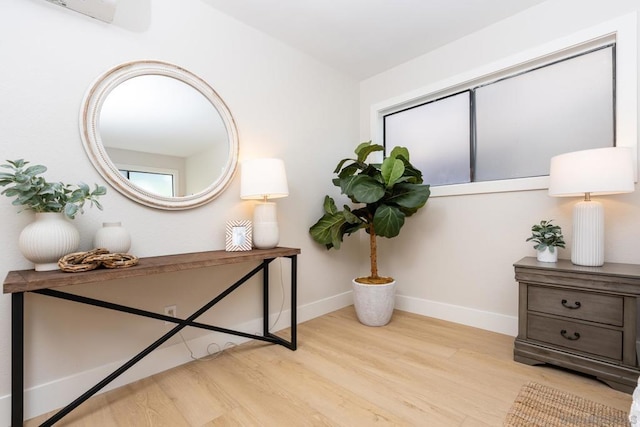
column 416, row 371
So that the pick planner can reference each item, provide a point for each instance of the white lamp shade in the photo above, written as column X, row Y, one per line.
column 263, row 178
column 596, row 171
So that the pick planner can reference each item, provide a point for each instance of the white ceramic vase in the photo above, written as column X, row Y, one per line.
column 112, row 237
column 374, row 303
column 547, row 256
column 47, row 239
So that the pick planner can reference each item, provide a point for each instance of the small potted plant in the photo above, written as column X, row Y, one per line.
column 547, row 238
column 51, row 235
column 385, row 194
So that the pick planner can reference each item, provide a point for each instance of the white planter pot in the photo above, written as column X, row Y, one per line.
column 547, row 256
column 374, row 303
column 47, row 239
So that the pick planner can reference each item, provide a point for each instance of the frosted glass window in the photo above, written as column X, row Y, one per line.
column 510, row 128
column 438, row 136
column 523, row 121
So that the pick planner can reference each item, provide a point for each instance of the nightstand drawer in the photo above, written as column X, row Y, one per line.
column 577, row 336
column 589, row 306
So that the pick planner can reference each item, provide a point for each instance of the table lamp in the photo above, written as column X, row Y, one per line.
column 590, row 172
column 264, row 179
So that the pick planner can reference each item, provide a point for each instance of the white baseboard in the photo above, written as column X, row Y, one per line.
column 47, row 397
column 56, row 394
column 490, row 321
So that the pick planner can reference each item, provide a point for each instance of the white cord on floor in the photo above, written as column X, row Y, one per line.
column 229, row 344
column 210, row 355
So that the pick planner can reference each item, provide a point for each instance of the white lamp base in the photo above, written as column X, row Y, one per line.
column 266, row 234
column 588, row 234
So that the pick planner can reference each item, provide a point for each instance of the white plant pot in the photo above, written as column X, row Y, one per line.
column 374, row 303
column 47, row 239
column 547, row 256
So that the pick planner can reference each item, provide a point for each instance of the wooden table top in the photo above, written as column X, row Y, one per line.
column 31, row 280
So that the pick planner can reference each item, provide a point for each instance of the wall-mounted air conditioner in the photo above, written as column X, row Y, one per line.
column 99, row 9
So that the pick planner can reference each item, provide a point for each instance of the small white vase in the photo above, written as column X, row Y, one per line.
column 547, row 256
column 112, row 237
column 374, row 303
column 47, row 239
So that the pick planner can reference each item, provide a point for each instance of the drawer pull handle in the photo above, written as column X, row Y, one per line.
column 576, row 335
column 575, row 305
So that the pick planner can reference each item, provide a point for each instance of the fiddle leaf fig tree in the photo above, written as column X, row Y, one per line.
column 384, row 195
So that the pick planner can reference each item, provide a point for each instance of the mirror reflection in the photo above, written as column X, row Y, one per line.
column 159, row 135
column 163, row 135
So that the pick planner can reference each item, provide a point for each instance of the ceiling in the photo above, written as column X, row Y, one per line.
column 365, row 37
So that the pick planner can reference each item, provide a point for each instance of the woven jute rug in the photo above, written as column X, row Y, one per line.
column 539, row 405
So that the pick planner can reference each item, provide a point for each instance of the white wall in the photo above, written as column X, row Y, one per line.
column 285, row 105
column 457, row 254
column 453, row 259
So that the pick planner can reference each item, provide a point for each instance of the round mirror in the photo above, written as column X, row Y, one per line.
column 159, row 135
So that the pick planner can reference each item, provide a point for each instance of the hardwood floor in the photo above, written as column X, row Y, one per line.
column 416, row 371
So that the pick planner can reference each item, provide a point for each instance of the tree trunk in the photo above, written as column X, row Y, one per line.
column 373, row 249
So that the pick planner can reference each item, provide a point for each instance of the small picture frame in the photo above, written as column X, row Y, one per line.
column 238, row 236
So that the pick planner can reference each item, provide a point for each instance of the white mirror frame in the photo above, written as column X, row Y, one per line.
column 92, row 141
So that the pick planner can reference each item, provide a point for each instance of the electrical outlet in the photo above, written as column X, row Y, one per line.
column 170, row 310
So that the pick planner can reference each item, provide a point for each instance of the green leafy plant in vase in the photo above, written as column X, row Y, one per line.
column 51, row 235
column 35, row 193
column 384, row 194
column 547, row 237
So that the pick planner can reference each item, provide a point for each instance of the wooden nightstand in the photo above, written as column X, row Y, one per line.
column 580, row 318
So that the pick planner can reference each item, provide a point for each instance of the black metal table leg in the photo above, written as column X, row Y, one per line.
column 265, row 298
column 294, row 302
column 292, row 343
column 17, row 358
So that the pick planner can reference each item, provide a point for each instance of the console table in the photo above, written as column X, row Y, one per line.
column 17, row 283
column 580, row 318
